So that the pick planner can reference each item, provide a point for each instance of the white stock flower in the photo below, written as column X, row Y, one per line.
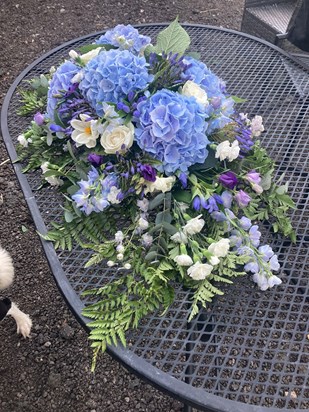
column 143, row 205
column 199, row 271
column 214, row 260
column 112, row 196
column 23, row 141
column 228, row 151
column 221, row 248
column 85, row 131
column 119, row 236
column 192, row 89
column 161, row 184
column 143, row 223
column 147, row 239
column 52, row 180
column 86, row 57
column 257, row 126
column 194, row 226
column 117, row 138
column 179, row 237
column 183, row 260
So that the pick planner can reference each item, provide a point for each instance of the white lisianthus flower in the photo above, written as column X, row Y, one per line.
column 221, row 248
column 112, row 196
column 179, row 237
column 183, row 260
column 85, row 131
column 214, row 260
column 23, row 140
column 199, row 271
column 192, row 89
column 78, row 77
column 194, row 226
column 228, row 151
column 257, row 126
column 110, row 263
column 117, row 138
column 161, row 184
column 86, row 57
column 52, row 180
column 147, row 239
column 143, row 204
column 119, row 236
column 143, row 223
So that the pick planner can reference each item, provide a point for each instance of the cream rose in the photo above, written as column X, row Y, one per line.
column 192, row 89
column 161, row 184
column 199, row 271
column 117, row 138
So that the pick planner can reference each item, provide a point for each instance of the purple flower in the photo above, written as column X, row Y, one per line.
column 125, row 108
column 39, row 119
column 242, row 198
column 253, row 177
column 196, row 204
column 227, row 198
column 255, row 235
column 211, row 205
column 228, row 179
column 95, row 159
column 218, row 216
column 148, row 173
column 245, row 223
column 183, row 179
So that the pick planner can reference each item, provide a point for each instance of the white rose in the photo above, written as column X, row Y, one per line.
column 183, row 260
column 112, row 196
column 194, row 226
column 161, row 184
column 117, row 138
column 221, row 248
column 179, row 237
column 86, row 57
column 143, row 223
column 227, row 151
column 257, row 126
column 199, row 271
column 192, row 89
column 214, row 260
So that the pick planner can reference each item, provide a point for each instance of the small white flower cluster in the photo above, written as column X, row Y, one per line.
column 119, row 237
column 112, row 196
column 143, row 223
column 52, row 180
column 23, row 140
column 227, row 151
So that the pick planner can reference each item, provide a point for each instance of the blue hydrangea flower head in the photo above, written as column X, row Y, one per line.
column 172, row 128
column 222, row 106
column 60, row 82
column 125, row 37
column 111, row 75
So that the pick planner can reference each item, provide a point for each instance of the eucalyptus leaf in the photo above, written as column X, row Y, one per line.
column 182, row 196
column 168, row 228
column 151, row 256
column 164, row 216
column 157, row 201
column 68, row 216
column 173, row 39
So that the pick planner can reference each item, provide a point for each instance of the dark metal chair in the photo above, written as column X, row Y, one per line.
column 269, row 19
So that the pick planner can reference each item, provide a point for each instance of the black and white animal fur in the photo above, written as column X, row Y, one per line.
column 23, row 321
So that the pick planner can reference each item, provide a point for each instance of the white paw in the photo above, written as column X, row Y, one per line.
column 24, row 324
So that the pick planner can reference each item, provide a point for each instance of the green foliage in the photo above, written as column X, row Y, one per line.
column 35, row 98
column 173, row 39
column 124, row 302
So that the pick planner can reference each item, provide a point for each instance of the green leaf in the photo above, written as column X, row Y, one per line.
column 89, row 47
column 68, row 216
column 173, row 39
column 182, row 196
column 24, row 229
column 164, row 216
column 157, row 201
column 266, row 180
column 151, row 256
column 168, row 228
column 238, row 99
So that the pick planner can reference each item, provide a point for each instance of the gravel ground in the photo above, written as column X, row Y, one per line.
column 50, row 371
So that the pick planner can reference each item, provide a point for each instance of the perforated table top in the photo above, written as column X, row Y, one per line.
column 249, row 351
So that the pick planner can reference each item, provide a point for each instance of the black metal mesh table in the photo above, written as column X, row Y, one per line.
column 250, row 350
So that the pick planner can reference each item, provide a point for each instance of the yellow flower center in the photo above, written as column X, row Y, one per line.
column 88, row 129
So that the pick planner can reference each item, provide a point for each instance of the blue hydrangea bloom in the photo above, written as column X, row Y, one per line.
column 125, row 37
column 172, row 128
column 222, row 106
column 93, row 193
column 111, row 75
column 61, row 81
